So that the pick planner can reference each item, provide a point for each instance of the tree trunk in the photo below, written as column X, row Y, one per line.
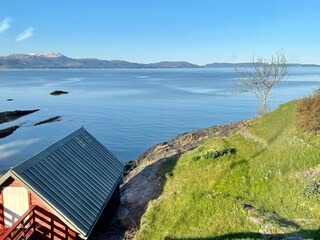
column 264, row 103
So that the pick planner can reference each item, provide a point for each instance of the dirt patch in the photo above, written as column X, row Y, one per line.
column 249, row 136
column 310, row 173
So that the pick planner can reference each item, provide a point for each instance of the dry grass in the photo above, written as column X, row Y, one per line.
column 308, row 114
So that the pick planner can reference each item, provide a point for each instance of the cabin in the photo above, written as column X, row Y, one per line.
column 64, row 192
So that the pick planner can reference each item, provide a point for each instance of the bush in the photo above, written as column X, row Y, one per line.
column 210, row 154
column 216, row 154
column 201, row 148
column 308, row 114
column 312, row 188
column 196, row 158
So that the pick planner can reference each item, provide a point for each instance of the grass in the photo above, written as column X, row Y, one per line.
column 248, row 193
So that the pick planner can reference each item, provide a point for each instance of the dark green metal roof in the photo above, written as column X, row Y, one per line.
column 76, row 176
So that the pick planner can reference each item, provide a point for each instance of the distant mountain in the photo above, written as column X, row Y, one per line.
column 226, row 65
column 37, row 54
column 167, row 64
column 57, row 60
column 38, row 60
column 234, row 65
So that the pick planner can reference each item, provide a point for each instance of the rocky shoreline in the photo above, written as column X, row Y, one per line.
column 143, row 182
column 13, row 115
column 9, row 116
column 8, row 131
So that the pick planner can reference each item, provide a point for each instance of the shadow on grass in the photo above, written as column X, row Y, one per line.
column 308, row 234
column 276, row 136
column 238, row 163
column 284, row 222
column 168, row 166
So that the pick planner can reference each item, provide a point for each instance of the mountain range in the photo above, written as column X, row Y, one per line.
column 56, row 60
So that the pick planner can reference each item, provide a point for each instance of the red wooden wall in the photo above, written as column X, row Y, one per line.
column 33, row 200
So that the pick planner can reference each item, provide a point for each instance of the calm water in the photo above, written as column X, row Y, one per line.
column 128, row 110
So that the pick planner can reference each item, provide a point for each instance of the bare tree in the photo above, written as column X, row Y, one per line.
column 260, row 77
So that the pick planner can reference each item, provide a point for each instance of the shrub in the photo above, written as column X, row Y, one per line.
column 312, row 188
column 216, row 154
column 210, row 154
column 196, row 158
column 308, row 114
column 201, row 148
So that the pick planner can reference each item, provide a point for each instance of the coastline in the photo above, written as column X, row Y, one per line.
column 135, row 195
column 142, row 181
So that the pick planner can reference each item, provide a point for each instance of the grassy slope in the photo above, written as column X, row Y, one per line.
column 204, row 198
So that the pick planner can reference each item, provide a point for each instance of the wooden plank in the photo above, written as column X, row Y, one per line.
column 39, row 220
column 1, row 212
column 17, row 223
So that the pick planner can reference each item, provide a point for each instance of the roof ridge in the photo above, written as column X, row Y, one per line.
column 46, row 151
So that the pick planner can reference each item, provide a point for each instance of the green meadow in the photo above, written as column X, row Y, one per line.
column 239, row 187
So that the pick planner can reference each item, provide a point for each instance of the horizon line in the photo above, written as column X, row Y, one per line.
column 162, row 61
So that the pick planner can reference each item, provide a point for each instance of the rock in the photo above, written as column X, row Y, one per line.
column 13, row 115
column 8, row 131
column 58, row 92
column 129, row 167
column 293, row 238
column 256, row 220
column 49, row 120
column 248, row 207
column 122, row 216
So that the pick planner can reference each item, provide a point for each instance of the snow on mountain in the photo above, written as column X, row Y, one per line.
column 38, row 54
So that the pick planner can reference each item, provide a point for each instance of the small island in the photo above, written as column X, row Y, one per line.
column 58, row 92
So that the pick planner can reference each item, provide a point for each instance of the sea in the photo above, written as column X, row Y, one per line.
column 129, row 110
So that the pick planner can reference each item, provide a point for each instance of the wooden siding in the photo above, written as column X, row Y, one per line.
column 33, row 200
column 100, row 226
column 15, row 202
column 48, row 217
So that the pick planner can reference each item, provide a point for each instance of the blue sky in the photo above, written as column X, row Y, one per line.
column 198, row 31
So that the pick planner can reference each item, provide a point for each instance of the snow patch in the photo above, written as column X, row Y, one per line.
column 38, row 54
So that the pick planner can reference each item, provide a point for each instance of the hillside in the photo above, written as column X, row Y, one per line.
column 262, row 181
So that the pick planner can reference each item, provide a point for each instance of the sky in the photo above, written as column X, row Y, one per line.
column 145, row 31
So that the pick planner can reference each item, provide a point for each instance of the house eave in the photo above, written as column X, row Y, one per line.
column 105, row 204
